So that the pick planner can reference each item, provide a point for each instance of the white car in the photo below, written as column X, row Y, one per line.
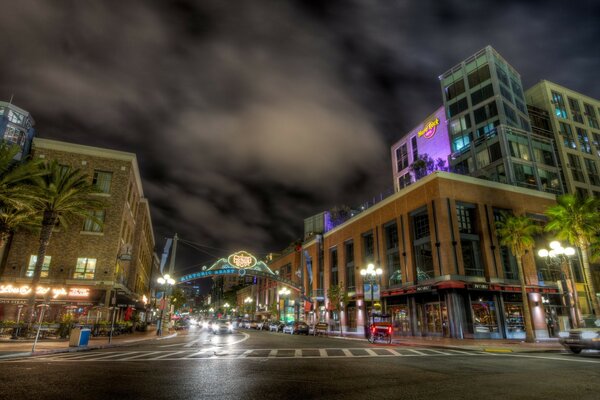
column 222, row 326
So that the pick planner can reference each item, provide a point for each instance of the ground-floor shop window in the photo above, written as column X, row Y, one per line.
column 513, row 314
column 351, row 319
column 401, row 320
column 485, row 319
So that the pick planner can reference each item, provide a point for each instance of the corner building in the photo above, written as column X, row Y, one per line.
column 444, row 272
column 87, row 264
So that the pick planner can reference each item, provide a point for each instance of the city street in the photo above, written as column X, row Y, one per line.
column 263, row 365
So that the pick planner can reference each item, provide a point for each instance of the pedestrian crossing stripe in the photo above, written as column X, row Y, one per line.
column 214, row 354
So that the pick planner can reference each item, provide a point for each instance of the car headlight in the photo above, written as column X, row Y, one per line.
column 563, row 334
column 589, row 335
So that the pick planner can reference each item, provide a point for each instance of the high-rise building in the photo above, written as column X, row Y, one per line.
column 575, row 120
column 16, row 127
column 489, row 126
column 87, row 264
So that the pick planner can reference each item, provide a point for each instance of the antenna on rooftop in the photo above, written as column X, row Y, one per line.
column 11, row 98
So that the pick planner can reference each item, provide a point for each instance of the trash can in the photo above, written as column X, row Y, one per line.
column 79, row 337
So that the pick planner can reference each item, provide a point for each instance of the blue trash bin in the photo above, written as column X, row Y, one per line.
column 84, row 336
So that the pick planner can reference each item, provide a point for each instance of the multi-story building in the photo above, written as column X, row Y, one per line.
column 489, row 126
column 16, row 127
column 575, row 120
column 430, row 139
column 444, row 271
column 87, row 264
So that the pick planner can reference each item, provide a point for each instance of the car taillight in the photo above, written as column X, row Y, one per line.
column 390, row 330
column 373, row 329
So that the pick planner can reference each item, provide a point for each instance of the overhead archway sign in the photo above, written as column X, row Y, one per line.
column 240, row 263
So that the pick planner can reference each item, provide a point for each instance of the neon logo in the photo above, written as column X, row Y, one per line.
column 429, row 129
column 242, row 259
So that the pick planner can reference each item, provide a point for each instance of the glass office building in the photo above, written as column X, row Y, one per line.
column 489, row 126
column 16, row 127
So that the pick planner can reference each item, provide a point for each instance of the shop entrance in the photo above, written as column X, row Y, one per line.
column 436, row 319
column 485, row 317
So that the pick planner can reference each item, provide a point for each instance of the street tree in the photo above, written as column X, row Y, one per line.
column 577, row 220
column 517, row 233
column 338, row 299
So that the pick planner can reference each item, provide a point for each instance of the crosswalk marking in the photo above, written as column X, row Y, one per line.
column 214, row 353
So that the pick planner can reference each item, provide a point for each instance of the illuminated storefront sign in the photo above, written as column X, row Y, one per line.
column 43, row 291
column 242, row 259
column 429, row 129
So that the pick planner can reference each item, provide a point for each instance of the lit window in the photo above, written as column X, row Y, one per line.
column 45, row 266
column 85, row 268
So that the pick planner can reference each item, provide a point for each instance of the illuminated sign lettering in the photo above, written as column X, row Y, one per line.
column 242, row 259
column 429, row 129
column 43, row 291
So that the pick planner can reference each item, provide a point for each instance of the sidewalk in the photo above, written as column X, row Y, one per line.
column 12, row 348
column 488, row 345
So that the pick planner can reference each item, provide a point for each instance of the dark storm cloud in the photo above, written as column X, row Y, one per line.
column 248, row 118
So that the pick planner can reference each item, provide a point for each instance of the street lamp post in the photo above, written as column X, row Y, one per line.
column 165, row 282
column 284, row 292
column 558, row 255
column 247, row 306
column 370, row 275
column 226, row 306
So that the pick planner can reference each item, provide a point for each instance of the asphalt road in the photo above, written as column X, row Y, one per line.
column 264, row 365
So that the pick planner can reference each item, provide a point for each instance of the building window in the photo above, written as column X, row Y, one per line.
column 549, row 181
column 502, row 75
column 478, row 76
column 584, row 141
column 368, row 247
column 591, row 116
column 45, row 266
column 516, row 88
column 567, row 133
column 543, row 153
column 404, row 181
column 422, row 245
column 559, row 105
column 461, row 142
column 349, row 258
column 102, row 181
column 402, row 157
column 392, row 254
column 592, row 170
column 14, row 136
column 575, row 166
column 15, row 117
column 334, row 267
column 509, row 261
column 465, row 216
column 95, row 222
column 485, row 112
column 469, row 239
column 506, row 93
column 460, row 124
column 85, row 268
column 482, row 94
column 524, row 175
column 457, row 107
column 510, row 113
column 455, row 89
column 596, row 141
column 415, row 149
column 519, row 150
column 575, row 110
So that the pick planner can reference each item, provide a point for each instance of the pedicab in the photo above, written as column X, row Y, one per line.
column 380, row 328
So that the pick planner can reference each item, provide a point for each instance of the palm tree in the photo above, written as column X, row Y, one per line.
column 577, row 221
column 517, row 233
column 15, row 191
column 61, row 194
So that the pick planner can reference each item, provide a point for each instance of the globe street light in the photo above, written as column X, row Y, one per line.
column 284, row 292
column 558, row 255
column 165, row 281
column 247, row 306
column 370, row 275
column 226, row 306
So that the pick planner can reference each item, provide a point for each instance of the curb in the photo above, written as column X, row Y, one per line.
column 78, row 349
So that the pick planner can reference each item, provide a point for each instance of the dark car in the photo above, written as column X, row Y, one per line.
column 577, row 340
column 276, row 326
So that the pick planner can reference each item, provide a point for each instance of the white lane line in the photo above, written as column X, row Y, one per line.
column 394, row 352
column 171, row 345
column 273, row 353
column 323, row 353
column 198, row 353
column 298, row 353
column 170, row 353
column 115, row 355
column 71, row 356
column 371, row 352
column 439, row 352
column 139, row 355
column 418, row 352
column 571, row 359
column 462, row 352
column 347, row 352
column 190, row 344
column 245, row 354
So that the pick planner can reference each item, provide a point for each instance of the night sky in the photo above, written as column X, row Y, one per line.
column 249, row 116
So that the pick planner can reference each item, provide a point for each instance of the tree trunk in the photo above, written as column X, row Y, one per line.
column 588, row 280
column 529, row 336
column 45, row 234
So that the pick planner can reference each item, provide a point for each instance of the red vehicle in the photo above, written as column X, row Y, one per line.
column 380, row 328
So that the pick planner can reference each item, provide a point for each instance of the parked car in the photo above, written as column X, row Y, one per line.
column 579, row 339
column 297, row 328
column 253, row 325
column 276, row 326
column 222, row 326
column 245, row 324
column 262, row 325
